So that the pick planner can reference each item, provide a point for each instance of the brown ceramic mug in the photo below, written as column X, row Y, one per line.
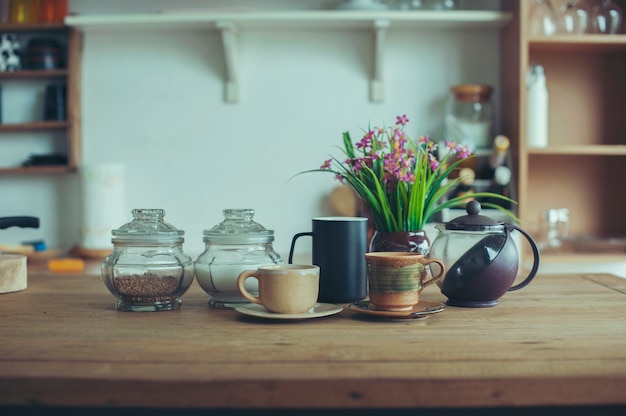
column 395, row 279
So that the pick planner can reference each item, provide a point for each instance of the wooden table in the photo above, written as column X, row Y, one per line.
column 559, row 342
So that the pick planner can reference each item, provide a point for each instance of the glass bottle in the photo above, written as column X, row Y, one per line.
column 542, row 19
column 469, row 115
column 52, row 11
column 147, row 270
column 236, row 244
column 440, row 4
column 606, row 18
column 574, row 18
column 537, row 107
column 23, row 11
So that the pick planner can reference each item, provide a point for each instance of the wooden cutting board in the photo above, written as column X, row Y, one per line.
column 13, row 276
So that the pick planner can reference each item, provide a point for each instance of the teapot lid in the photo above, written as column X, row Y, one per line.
column 473, row 221
column 148, row 226
column 238, row 228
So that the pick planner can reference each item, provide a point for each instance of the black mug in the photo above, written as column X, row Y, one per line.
column 339, row 247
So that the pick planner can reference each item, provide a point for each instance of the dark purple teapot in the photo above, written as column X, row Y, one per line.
column 481, row 259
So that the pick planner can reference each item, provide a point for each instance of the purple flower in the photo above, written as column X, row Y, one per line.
column 326, row 164
column 434, row 163
column 402, row 120
column 464, row 152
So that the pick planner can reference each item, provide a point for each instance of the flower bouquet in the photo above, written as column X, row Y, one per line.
column 400, row 181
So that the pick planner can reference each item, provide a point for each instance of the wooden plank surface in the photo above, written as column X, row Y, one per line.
column 560, row 341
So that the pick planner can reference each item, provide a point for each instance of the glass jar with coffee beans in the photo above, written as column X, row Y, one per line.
column 147, row 270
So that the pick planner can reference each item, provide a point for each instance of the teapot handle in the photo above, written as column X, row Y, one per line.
column 535, row 267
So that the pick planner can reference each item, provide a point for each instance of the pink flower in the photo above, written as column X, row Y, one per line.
column 434, row 163
column 402, row 120
column 406, row 170
column 464, row 152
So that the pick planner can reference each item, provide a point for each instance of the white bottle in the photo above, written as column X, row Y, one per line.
column 537, row 108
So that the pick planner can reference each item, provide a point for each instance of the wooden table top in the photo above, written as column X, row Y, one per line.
column 560, row 341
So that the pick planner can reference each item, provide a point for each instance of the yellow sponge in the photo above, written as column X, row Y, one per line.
column 66, row 265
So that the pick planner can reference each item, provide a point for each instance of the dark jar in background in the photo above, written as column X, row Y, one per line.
column 147, row 270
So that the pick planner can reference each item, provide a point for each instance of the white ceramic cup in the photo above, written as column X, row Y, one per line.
column 283, row 288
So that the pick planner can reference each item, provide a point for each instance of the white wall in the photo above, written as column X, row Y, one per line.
column 153, row 101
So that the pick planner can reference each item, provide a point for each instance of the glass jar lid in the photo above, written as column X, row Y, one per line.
column 148, row 226
column 238, row 227
column 473, row 221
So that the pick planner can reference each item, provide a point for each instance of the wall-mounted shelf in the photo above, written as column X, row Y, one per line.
column 581, row 150
column 54, row 73
column 67, row 130
column 35, row 170
column 462, row 19
column 33, row 27
column 35, row 126
column 229, row 25
column 577, row 43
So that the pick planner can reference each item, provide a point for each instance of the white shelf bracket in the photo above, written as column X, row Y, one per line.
column 377, row 83
column 228, row 31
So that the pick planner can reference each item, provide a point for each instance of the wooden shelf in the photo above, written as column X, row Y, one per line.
column 229, row 24
column 347, row 19
column 52, row 73
column 37, row 170
column 35, row 126
column 580, row 150
column 32, row 27
column 578, row 43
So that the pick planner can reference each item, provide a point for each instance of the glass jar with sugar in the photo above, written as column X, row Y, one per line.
column 236, row 244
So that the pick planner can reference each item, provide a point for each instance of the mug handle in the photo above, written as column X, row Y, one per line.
column 533, row 245
column 293, row 244
column 241, row 281
column 433, row 279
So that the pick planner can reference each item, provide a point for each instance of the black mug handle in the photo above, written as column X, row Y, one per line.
column 293, row 244
column 535, row 267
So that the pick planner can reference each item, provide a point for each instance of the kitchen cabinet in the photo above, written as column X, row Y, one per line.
column 582, row 168
column 65, row 135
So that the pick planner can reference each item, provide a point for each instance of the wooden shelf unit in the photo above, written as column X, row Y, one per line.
column 582, row 167
column 72, row 75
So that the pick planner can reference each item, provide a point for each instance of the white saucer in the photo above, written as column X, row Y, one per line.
column 317, row 311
